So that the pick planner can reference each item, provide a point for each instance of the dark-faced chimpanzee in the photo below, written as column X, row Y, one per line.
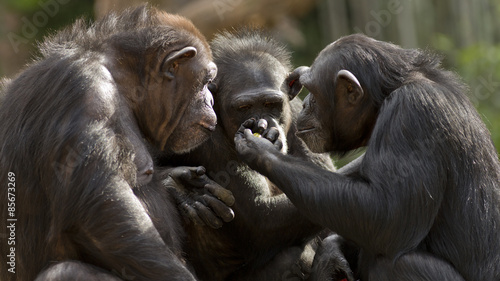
column 424, row 202
column 251, row 70
column 79, row 128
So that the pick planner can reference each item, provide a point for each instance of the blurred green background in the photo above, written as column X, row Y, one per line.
column 465, row 32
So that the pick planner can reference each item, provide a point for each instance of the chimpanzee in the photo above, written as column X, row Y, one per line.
column 251, row 69
column 424, row 202
column 79, row 128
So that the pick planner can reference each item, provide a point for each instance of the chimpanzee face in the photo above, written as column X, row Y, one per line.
column 198, row 119
column 314, row 124
column 337, row 115
column 167, row 92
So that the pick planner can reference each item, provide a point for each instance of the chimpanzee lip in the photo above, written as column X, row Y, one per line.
column 209, row 127
column 305, row 130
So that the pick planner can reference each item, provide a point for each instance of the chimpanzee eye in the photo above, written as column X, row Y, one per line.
column 271, row 104
column 244, row 107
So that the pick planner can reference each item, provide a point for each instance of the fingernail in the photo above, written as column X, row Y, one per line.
column 262, row 123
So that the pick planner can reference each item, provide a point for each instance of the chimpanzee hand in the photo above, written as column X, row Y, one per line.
column 200, row 199
column 254, row 148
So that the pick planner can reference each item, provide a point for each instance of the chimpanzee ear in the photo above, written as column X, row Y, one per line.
column 292, row 85
column 171, row 63
column 349, row 84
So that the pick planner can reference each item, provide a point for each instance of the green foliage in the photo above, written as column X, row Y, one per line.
column 479, row 66
column 42, row 17
column 21, row 5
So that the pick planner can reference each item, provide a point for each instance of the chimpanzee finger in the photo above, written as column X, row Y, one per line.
column 200, row 171
column 192, row 172
column 184, row 173
column 261, row 126
column 219, row 208
column 272, row 134
column 244, row 144
column 221, row 193
column 191, row 213
column 239, row 142
column 238, row 137
column 248, row 124
column 190, row 176
column 207, row 216
column 278, row 144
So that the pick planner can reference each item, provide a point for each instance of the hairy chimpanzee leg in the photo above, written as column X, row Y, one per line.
column 422, row 204
column 80, row 129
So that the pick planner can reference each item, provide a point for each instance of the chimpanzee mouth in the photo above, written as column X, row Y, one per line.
column 305, row 130
column 207, row 126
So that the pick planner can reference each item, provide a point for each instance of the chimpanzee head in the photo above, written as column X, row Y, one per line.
column 348, row 83
column 161, row 65
column 252, row 68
